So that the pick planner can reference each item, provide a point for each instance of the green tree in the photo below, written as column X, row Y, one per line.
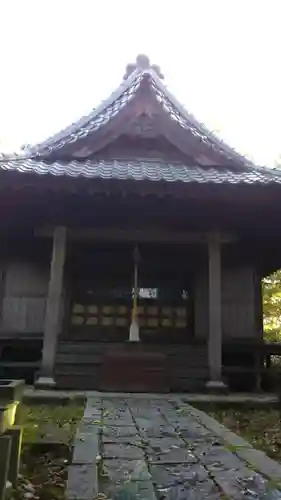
column 271, row 289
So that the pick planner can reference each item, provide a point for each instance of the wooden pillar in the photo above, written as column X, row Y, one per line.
column 215, row 324
column 53, row 309
column 258, row 366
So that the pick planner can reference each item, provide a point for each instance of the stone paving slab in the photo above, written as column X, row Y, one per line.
column 89, row 426
column 184, row 482
column 169, row 451
column 122, row 450
column 113, row 433
column 94, row 402
column 131, row 490
column 175, row 456
column 158, row 448
column 147, row 425
column 92, row 413
column 117, row 417
column 218, row 456
column 86, row 448
column 245, row 486
column 122, row 471
column 82, row 483
column 118, row 422
column 158, row 431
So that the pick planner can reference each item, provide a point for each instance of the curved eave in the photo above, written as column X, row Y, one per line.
column 141, row 170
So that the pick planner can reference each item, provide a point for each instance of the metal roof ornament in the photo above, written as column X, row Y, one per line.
column 142, row 63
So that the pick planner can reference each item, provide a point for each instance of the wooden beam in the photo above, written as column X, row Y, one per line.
column 53, row 308
column 136, row 235
column 215, row 316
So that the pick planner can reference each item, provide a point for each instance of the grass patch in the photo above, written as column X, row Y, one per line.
column 260, row 427
column 56, row 423
column 48, row 432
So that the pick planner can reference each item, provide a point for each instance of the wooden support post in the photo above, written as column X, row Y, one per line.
column 15, row 434
column 53, row 309
column 5, row 453
column 258, row 366
column 215, row 327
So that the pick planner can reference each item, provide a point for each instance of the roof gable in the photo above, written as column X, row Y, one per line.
column 130, row 103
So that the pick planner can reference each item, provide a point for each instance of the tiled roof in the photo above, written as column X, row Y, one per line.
column 119, row 99
column 95, row 120
column 138, row 170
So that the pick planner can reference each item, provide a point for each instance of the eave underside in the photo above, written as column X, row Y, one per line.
column 252, row 213
column 190, row 205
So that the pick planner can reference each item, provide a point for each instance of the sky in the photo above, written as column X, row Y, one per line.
column 221, row 58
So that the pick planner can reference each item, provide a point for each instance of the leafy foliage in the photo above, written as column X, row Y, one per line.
column 271, row 289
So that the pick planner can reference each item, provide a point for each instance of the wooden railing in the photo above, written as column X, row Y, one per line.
column 245, row 359
column 20, row 357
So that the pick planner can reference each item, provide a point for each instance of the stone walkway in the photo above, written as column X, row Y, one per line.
column 138, row 448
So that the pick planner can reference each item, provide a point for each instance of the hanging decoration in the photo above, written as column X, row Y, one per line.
column 134, row 327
